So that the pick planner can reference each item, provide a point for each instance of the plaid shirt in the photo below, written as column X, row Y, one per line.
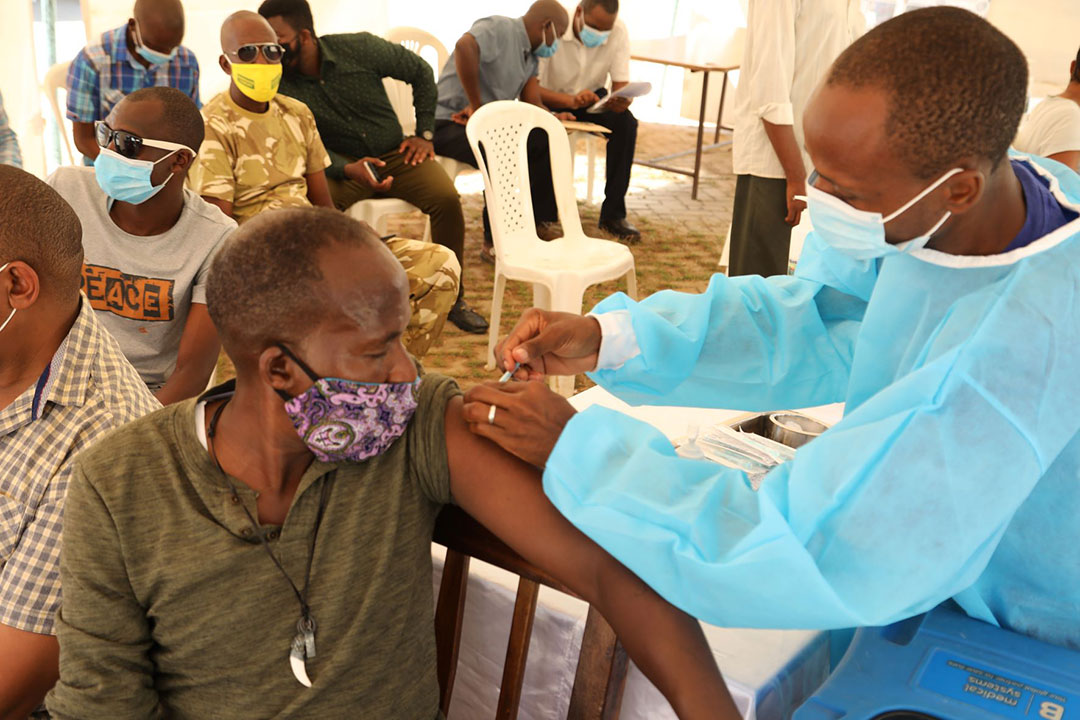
column 87, row 389
column 9, row 144
column 101, row 75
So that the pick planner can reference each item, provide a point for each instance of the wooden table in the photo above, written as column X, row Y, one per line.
column 706, row 69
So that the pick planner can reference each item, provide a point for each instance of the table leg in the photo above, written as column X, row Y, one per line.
column 720, row 112
column 700, row 132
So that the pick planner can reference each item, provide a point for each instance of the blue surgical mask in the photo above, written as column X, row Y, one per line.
column 125, row 179
column 591, row 37
column 151, row 56
column 860, row 233
column 543, row 50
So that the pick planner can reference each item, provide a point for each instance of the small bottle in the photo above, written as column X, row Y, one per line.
column 690, row 449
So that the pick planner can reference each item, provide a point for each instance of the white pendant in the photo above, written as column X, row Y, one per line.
column 299, row 670
column 296, row 661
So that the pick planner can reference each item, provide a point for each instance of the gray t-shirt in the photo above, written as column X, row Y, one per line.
column 143, row 287
column 506, row 64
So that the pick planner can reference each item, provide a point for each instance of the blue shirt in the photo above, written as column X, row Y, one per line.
column 102, row 74
column 506, row 64
column 1044, row 212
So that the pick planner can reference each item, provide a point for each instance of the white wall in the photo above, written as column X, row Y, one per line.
column 1048, row 31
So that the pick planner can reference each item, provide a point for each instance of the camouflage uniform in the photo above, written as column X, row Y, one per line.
column 257, row 161
column 434, row 275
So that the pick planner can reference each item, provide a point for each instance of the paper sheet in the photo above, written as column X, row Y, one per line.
column 632, row 90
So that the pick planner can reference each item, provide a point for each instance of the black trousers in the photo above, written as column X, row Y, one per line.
column 450, row 141
column 621, row 143
column 760, row 239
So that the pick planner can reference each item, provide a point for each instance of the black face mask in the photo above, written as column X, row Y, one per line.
column 291, row 58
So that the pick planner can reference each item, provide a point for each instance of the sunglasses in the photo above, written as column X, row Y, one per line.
column 129, row 144
column 272, row 51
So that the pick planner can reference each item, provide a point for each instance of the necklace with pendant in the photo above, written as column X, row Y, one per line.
column 303, row 643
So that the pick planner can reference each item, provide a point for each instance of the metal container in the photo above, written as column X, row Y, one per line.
column 793, row 429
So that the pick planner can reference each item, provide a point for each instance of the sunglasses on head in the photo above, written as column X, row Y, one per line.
column 129, row 144
column 272, row 51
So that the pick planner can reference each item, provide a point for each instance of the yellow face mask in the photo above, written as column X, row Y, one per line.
column 256, row 80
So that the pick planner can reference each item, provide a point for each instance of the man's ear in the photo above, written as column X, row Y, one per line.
column 224, row 64
column 23, row 286
column 306, row 37
column 277, row 371
column 965, row 189
column 182, row 162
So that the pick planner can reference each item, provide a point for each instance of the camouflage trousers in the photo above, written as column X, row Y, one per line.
column 434, row 275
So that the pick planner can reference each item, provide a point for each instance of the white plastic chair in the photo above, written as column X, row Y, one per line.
column 55, row 81
column 419, row 41
column 559, row 270
column 590, row 150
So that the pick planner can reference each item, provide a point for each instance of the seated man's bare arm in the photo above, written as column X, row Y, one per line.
column 506, row 496
column 318, row 192
column 85, row 137
column 196, row 359
column 29, row 666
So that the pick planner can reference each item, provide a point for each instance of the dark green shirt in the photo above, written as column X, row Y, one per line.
column 354, row 115
column 172, row 608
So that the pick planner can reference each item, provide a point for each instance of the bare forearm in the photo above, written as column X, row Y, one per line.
column 531, row 94
column 666, row 644
column 85, row 139
column 29, row 666
column 556, row 99
column 467, row 64
column 184, row 383
column 782, row 138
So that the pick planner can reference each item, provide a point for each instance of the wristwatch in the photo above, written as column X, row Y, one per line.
column 427, row 135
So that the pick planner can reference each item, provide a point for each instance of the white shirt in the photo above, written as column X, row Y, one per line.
column 574, row 67
column 1053, row 127
column 790, row 44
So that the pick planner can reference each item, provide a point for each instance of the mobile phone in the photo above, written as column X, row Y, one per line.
column 374, row 173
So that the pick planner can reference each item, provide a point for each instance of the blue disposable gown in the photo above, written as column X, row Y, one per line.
column 955, row 471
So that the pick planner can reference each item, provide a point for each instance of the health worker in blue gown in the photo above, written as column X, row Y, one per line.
column 938, row 297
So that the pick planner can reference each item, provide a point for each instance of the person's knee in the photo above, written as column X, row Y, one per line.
column 626, row 123
column 444, row 200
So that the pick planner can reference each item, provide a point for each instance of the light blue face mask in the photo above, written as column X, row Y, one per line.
column 591, row 37
column 125, row 179
column 151, row 56
column 543, row 50
column 860, row 233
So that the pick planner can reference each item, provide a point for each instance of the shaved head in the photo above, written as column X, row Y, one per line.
column 167, row 14
column 160, row 24
column 547, row 10
column 243, row 27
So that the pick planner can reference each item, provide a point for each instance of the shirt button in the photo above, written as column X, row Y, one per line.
column 235, row 499
column 273, row 534
column 246, row 532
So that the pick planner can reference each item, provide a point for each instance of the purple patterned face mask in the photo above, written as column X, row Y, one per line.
column 347, row 420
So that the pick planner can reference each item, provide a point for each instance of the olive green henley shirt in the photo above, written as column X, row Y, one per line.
column 171, row 606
